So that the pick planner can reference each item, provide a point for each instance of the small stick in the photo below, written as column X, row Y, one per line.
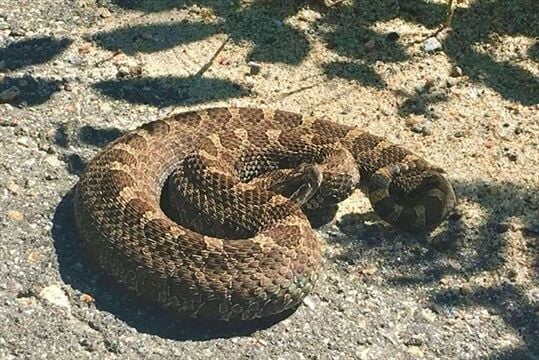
column 206, row 66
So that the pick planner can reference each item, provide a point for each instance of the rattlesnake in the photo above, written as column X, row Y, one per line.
column 241, row 246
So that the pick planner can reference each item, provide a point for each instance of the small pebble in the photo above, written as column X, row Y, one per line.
column 466, row 289
column 309, row 302
column 85, row 298
column 34, row 256
column 473, row 93
column 416, row 351
column 9, row 94
column 370, row 44
column 254, row 68
column 104, row 12
column 15, row 215
column 85, row 48
column 414, row 341
column 54, row 295
column 24, row 141
column 428, row 315
column 146, row 35
column 13, row 188
column 53, row 161
column 456, row 71
column 432, row 44
column 17, row 32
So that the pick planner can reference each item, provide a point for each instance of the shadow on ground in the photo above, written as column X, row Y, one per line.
column 487, row 22
column 167, row 91
column 426, row 260
column 122, row 304
column 262, row 25
column 348, row 31
column 31, row 91
column 32, row 51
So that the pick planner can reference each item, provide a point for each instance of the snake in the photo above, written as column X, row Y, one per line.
column 204, row 213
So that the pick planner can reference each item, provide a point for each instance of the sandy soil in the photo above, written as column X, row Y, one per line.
column 76, row 74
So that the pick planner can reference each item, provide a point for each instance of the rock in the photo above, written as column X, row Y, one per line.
column 432, row 44
column 104, row 12
column 427, row 128
column 17, row 32
column 9, row 94
column 370, row 44
column 466, row 289
column 254, row 68
column 146, row 35
column 456, row 71
column 129, row 70
column 123, row 71
column 309, row 302
column 419, row 125
column 369, row 270
column 427, row 315
column 13, row 188
column 473, row 93
column 24, row 141
column 87, row 299
column 414, row 341
column 512, row 274
column 34, row 257
column 85, row 48
column 53, row 161
column 54, row 295
column 309, row 15
column 416, row 351
column 15, row 215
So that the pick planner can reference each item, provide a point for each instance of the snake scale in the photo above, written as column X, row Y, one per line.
column 239, row 180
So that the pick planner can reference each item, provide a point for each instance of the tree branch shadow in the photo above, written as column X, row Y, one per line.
column 263, row 26
column 361, row 73
column 423, row 262
column 32, row 51
column 168, row 91
column 32, row 90
column 475, row 25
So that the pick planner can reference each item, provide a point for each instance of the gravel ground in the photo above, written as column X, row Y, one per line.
column 75, row 74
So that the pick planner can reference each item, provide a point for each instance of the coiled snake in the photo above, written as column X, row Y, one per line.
column 240, row 246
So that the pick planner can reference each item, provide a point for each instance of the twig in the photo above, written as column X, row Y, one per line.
column 450, row 11
column 206, row 66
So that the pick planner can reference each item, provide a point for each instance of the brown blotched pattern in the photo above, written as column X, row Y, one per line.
column 241, row 247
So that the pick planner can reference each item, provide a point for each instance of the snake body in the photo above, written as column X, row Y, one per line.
column 240, row 245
